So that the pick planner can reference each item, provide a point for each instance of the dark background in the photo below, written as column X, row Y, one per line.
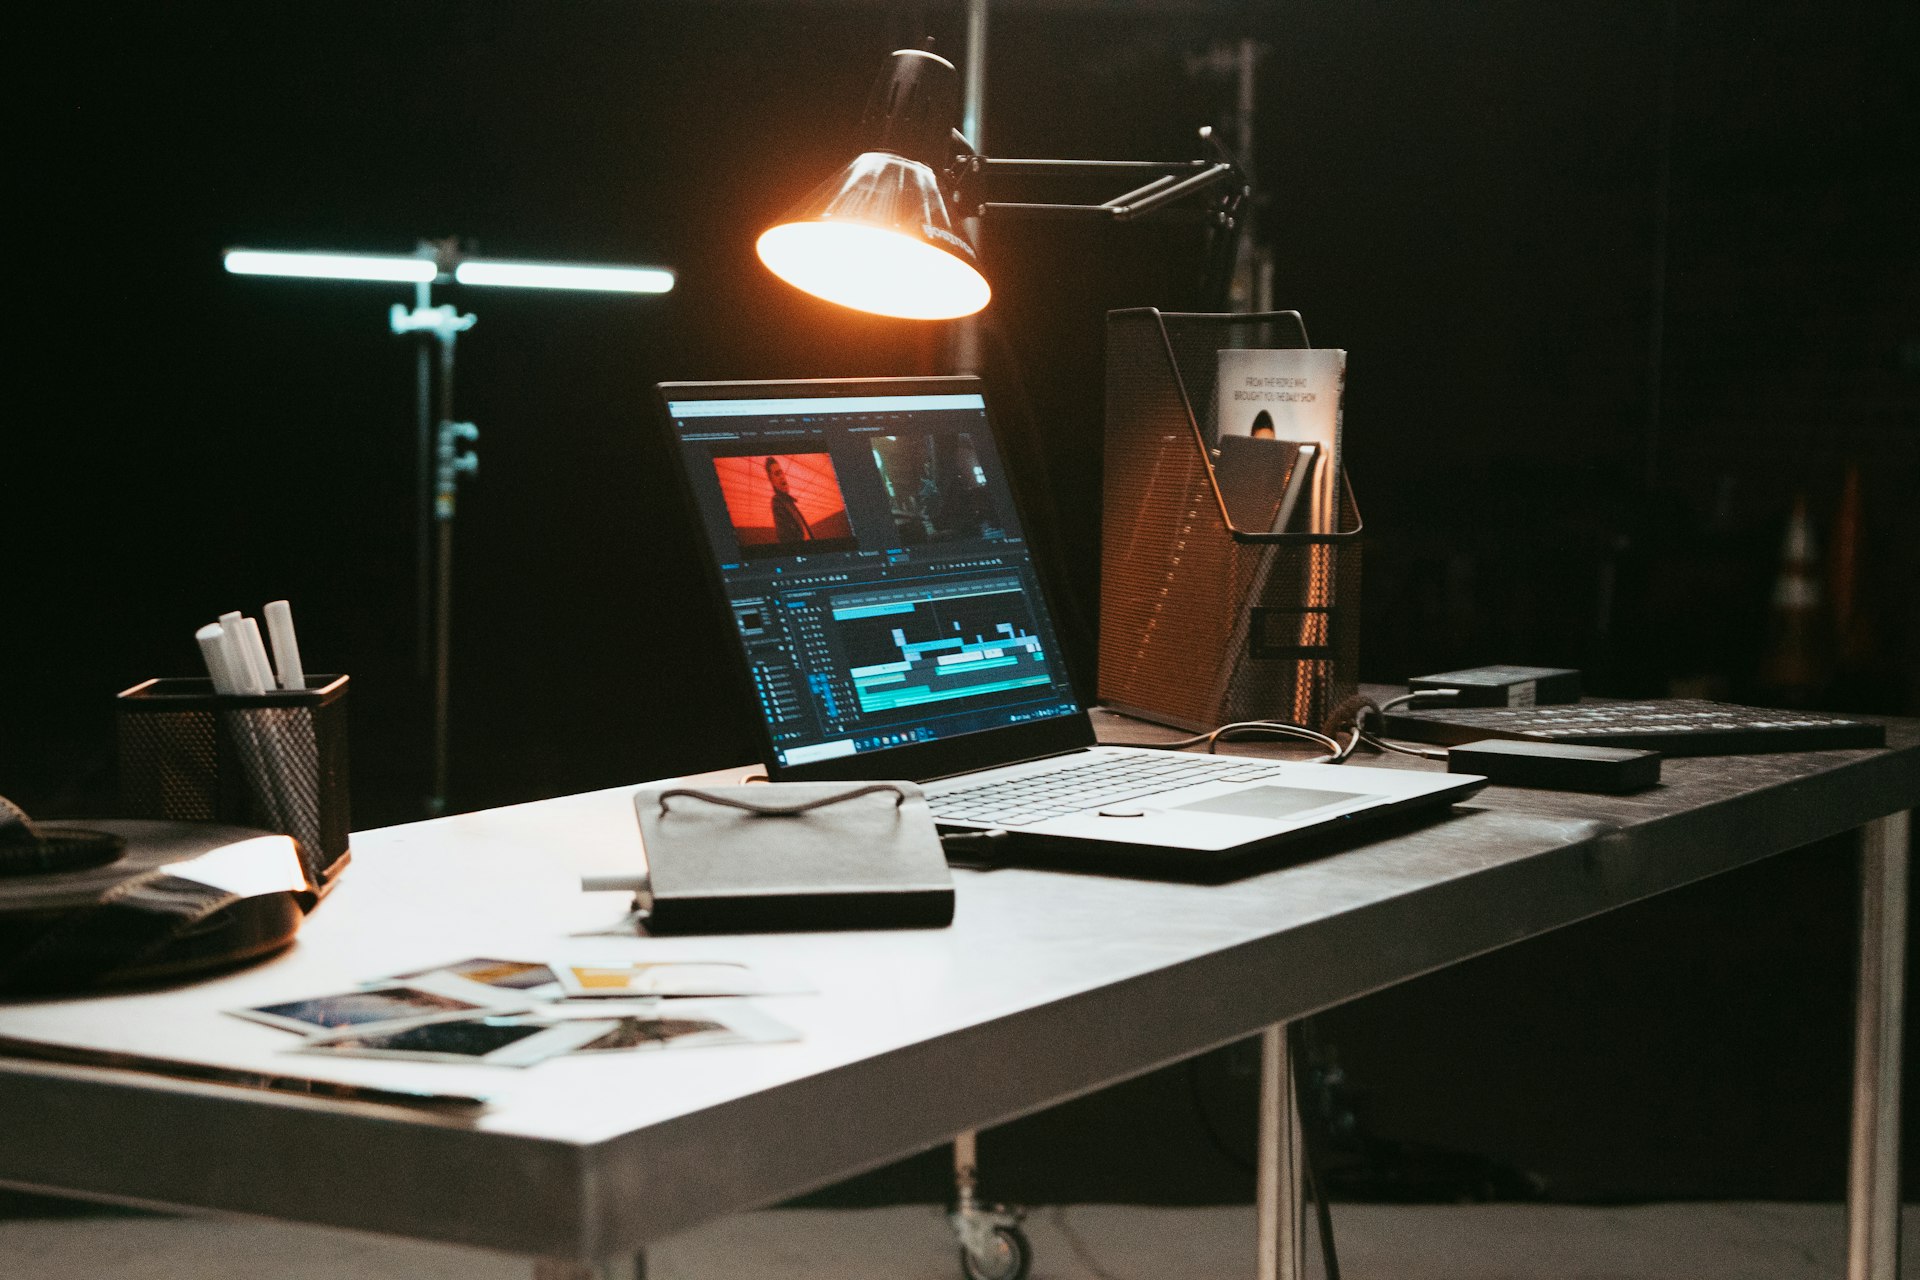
column 1619, row 281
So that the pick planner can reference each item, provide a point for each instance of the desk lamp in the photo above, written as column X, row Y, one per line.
column 879, row 236
column 441, row 458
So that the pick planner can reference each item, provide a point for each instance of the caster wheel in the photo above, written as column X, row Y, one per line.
column 1007, row 1256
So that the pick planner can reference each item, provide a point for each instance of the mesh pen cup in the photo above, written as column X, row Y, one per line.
column 276, row 761
column 1204, row 622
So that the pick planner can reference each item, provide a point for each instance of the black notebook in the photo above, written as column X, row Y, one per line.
column 792, row 856
column 1261, row 481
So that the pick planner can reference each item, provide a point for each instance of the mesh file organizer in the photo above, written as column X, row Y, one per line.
column 1201, row 622
column 276, row 761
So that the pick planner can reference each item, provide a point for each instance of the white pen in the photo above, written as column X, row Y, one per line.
column 257, row 655
column 239, row 661
column 213, row 652
column 229, row 661
column 286, row 647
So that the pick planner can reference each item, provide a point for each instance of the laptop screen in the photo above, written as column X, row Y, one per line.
column 869, row 548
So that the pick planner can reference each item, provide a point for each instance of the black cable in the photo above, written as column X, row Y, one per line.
column 1380, row 711
column 1079, row 1245
column 1238, row 1159
column 1391, row 703
column 1212, row 737
column 1425, row 753
column 1282, row 727
column 1349, row 710
column 1297, row 1033
column 1351, row 713
column 1299, row 1036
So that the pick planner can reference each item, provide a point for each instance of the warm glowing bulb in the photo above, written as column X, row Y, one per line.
column 872, row 269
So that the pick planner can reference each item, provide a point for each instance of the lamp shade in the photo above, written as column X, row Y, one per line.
column 876, row 237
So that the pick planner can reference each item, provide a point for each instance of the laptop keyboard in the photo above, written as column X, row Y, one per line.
column 1093, row 784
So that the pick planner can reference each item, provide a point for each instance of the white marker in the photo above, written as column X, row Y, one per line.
column 257, row 654
column 286, row 647
column 213, row 651
column 239, row 663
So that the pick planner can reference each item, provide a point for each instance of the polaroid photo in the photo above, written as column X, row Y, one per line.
column 691, row 1026
column 531, row 979
column 664, row 978
column 603, row 1007
column 491, row 1041
column 425, row 1000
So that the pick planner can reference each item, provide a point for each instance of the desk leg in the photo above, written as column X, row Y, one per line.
column 1282, row 1249
column 1873, row 1174
column 634, row 1268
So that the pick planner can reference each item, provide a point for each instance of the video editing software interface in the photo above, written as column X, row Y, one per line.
column 875, row 565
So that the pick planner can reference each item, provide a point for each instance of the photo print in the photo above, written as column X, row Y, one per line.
column 500, row 1042
column 622, row 980
column 420, row 1001
column 784, row 503
column 490, row 971
column 656, row 1033
column 936, row 487
column 691, row 1025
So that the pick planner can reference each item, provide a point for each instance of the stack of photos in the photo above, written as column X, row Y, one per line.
column 515, row 1013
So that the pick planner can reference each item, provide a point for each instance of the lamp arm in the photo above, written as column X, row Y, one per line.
column 1158, row 194
column 1167, row 183
column 1067, row 168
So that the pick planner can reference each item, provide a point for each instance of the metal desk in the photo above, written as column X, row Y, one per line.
column 1047, row 986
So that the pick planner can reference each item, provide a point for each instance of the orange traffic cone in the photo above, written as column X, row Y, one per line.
column 1855, row 641
column 1793, row 669
column 1858, row 655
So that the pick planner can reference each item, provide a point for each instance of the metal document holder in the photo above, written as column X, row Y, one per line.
column 1203, row 623
column 276, row 761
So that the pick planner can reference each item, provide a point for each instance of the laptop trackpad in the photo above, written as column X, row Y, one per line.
column 1271, row 802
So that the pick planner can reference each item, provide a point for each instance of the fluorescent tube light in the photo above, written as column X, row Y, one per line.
column 332, row 266
column 555, row 275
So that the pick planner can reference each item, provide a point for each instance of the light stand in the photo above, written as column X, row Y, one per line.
column 439, row 465
column 440, row 459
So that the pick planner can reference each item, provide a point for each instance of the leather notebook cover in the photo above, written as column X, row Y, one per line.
column 869, row 861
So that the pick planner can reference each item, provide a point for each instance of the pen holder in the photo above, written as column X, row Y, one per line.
column 1203, row 622
column 275, row 761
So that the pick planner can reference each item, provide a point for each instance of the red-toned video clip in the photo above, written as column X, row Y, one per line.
column 783, row 500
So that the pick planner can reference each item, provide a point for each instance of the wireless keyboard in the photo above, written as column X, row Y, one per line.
column 1674, row 727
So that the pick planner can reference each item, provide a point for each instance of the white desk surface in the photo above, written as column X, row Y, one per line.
column 1047, row 985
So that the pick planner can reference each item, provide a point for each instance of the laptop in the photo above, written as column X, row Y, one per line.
column 891, row 623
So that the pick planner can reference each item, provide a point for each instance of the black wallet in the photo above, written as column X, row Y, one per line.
column 792, row 856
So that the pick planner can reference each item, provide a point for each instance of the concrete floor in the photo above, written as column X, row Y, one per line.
column 1081, row 1242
